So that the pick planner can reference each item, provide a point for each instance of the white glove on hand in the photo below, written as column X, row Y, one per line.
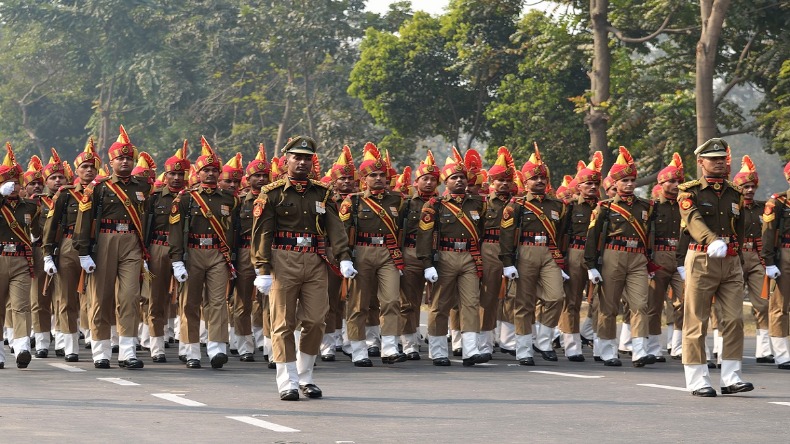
column 263, row 283
column 87, row 264
column 594, row 276
column 7, row 188
column 347, row 269
column 772, row 271
column 682, row 272
column 431, row 275
column 717, row 249
column 565, row 276
column 180, row 271
column 49, row 265
column 510, row 272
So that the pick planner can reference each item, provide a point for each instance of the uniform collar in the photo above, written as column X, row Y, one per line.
column 538, row 197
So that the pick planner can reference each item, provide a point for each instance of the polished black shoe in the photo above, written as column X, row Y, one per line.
column 289, row 395
column 738, row 387
column 32, row 342
column 167, row 344
column 131, row 363
column 42, row 353
column 597, row 359
column 72, row 357
column 138, row 347
column 556, row 343
column 364, row 362
column 661, row 359
column 271, row 365
column 59, row 352
column 650, row 359
column 507, row 351
column 413, row 356
column 260, row 349
column 711, row 364
column 486, row 356
column 115, row 348
column 784, row 366
column 704, row 392
column 23, row 359
column 102, row 363
column 644, row 360
column 374, row 352
column 400, row 357
column 474, row 359
column 527, row 361
column 2, row 365
column 765, row 359
column 676, row 357
column 576, row 358
column 234, row 352
column 87, row 345
column 328, row 358
column 219, row 360
column 614, row 362
column 170, row 341
column 441, row 362
column 159, row 358
column 182, row 358
column 458, row 352
column 193, row 363
column 548, row 355
column 587, row 342
column 311, row 391
column 247, row 357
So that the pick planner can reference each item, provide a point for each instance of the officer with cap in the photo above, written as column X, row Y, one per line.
column 291, row 218
column 710, row 209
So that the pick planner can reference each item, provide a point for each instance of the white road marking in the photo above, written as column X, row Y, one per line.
column 666, row 387
column 177, row 398
column 485, row 364
column 570, row 375
column 263, row 424
column 118, row 381
column 780, row 403
column 67, row 367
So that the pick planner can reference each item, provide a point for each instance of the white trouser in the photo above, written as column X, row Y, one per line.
column 572, row 343
column 437, row 347
column 287, row 376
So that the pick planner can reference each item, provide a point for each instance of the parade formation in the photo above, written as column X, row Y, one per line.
column 279, row 261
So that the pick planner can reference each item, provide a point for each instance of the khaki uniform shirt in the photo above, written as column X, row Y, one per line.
column 26, row 214
column 63, row 216
column 223, row 206
column 517, row 216
column 367, row 219
column 619, row 226
column 436, row 217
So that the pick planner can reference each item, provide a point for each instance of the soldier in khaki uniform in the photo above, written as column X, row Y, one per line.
column 776, row 254
column 201, row 243
column 19, row 227
column 40, row 297
column 110, row 226
column 374, row 219
column 455, row 221
column 412, row 283
column 710, row 209
column 291, row 219
column 750, row 235
column 588, row 180
column 261, row 319
column 230, row 177
column 666, row 234
column 617, row 241
column 530, row 248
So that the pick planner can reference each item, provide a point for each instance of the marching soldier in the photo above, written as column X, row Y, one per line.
column 18, row 229
column 291, row 218
column 618, row 241
column 588, row 180
column 456, row 223
column 230, row 181
column 201, row 245
column 373, row 219
column 530, row 248
column 710, row 208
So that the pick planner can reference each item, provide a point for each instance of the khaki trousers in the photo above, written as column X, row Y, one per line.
column 536, row 268
column 754, row 274
column 624, row 276
column 40, row 301
column 574, row 291
column 65, row 282
column 665, row 278
column 378, row 278
column 491, row 283
column 412, row 286
column 15, row 294
column 298, row 295
column 245, row 293
column 157, row 292
column 119, row 260
column 707, row 277
column 778, row 324
column 459, row 285
column 206, row 288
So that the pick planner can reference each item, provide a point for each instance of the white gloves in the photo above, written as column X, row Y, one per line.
column 594, row 276
column 87, row 264
column 7, row 188
column 772, row 271
column 347, row 269
column 717, row 249
column 682, row 272
column 509, row 272
column 565, row 276
column 180, row 271
column 431, row 275
column 49, row 265
column 263, row 283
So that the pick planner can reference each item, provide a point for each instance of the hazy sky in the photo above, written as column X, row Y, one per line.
column 429, row 6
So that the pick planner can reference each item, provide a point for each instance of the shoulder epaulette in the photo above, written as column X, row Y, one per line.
column 686, row 185
column 319, row 183
column 276, row 184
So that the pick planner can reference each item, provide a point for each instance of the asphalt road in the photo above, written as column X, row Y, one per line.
column 407, row 402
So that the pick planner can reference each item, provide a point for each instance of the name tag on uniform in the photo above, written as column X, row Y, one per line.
column 736, row 210
column 394, row 211
column 579, row 215
column 706, row 204
column 140, row 196
column 475, row 215
column 320, row 208
column 555, row 215
column 28, row 218
column 9, row 248
column 224, row 210
column 644, row 215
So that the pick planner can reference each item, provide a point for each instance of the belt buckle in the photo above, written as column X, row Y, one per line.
column 748, row 245
column 206, row 241
column 631, row 244
column 540, row 239
column 672, row 242
column 304, row 241
column 459, row 245
column 121, row 227
column 9, row 248
column 378, row 240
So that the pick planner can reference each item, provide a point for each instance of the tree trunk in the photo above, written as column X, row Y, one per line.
column 283, row 127
column 712, row 13
column 597, row 117
column 31, row 132
column 105, row 104
column 308, row 107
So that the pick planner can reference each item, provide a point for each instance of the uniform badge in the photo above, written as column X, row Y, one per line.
column 140, row 196
column 224, row 210
column 258, row 211
column 736, row 209
column 174, row 208
column 474, row 215
column 555, row 215
column 320, row 207
column 644, row 215
column 685, row 204
column 28, row 219
column 394, row 211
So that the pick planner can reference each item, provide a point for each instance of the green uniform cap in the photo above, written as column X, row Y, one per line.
column 715, row 147
column 300, row 145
